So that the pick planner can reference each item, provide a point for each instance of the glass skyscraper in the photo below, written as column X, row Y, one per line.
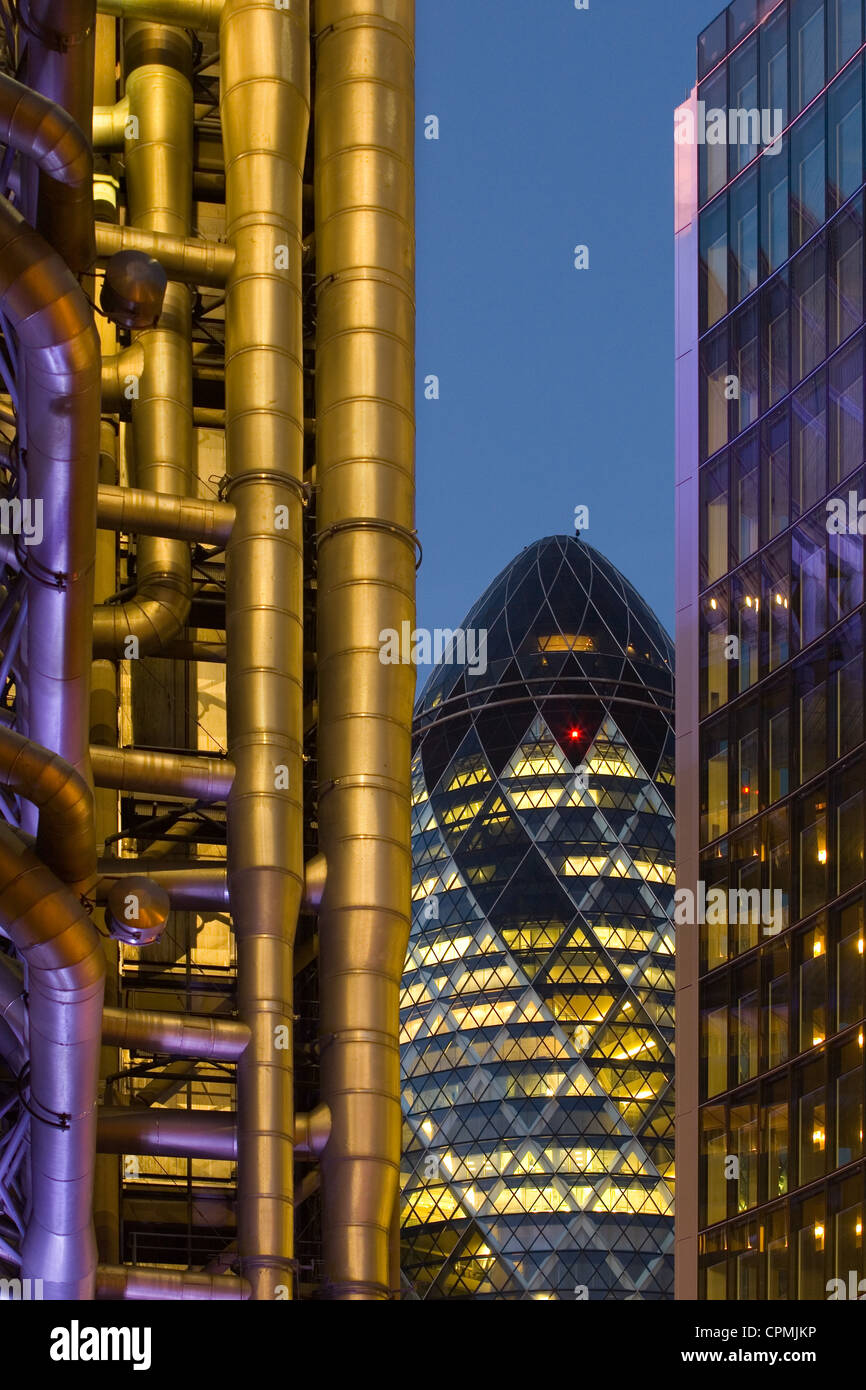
column 537, row 1003
column 770, row 386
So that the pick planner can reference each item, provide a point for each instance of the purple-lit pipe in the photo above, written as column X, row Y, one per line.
column 60, row 375
column 55, row 937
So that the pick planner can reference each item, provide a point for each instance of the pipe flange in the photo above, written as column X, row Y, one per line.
column 369, row 523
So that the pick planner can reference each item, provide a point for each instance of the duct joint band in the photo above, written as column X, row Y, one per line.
column 364, row 779
column 370, row 523
column 56, row 41
column 267, row 475
column 363, row 1035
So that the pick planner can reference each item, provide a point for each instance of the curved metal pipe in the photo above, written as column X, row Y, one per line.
column 63, row 955
column 109, row 129
column 115, row 1282
column 154, row 514
column 190, row 260
column 133, row 1129
column 61, row 39
column 174, row 774
column 265, row 72
column 66, row 841
column 120, row 371
column 159, row 183
column 40, row 129
column 312, row 1131
column 59, row 354
column 364, row 124
column 176, row 1035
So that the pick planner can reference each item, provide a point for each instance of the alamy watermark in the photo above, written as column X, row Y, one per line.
column 444, row 645
column 719, row 907
column 737, row 125
column 21, row 518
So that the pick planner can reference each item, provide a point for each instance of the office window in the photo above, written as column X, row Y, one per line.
column 849, row 965
column 810, row 684
column 776, row 349
column 808, row 304
column 746, row 604
column 812, row 955
column 844, row 32
column 778, row 1008
column 808, row 184
column 847, row 1065
column 845, row 132
column 744, row 235
column 716, row 391
column 743, row 97
column 775, row 472
column 773, row 172
column 714, row 263
column 845, row 654
column 809, row 444
column 845, row 381
column 774, row 64
column 746, row 498
column 812, row 813
column 809, row 577
column 713, row 159
column 715, row 779
column 807, row 52
column 714, row 521
column 777, row 604
column 745, row 365
column 846, row 273
column 715, row 665
column 848, row 800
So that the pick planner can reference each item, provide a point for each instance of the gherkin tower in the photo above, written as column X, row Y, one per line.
column 537, row 1000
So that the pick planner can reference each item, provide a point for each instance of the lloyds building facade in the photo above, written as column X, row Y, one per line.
column 770, row 760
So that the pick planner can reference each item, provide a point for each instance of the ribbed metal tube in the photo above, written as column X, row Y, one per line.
column 187, row 259
column 59, row 357
column 153, row 514
column 175, row 1035
column 159, row 183
column 134, row 1129
column 364, row 123
column 116, row 1282
column 55, row 937
column 171, row 774
column 61, row 38
column 265, row 116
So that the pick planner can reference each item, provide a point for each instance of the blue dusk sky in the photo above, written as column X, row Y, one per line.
column 556, row 385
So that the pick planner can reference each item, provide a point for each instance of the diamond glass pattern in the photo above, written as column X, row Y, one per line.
column 537, row 1002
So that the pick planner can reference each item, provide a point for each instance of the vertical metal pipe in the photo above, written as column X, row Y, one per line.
column 65, row 969
column 159, row 183
column 60, row 56
column 265, row 115
column 59, row 358
column 364, row 123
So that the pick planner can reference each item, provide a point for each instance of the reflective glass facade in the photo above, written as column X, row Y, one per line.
column 537, row 1005
column 770, row 595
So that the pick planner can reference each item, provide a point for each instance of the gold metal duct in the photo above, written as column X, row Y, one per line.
column 364, row 124
column 191, row 14
column 265, row 117
column 159, row 180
